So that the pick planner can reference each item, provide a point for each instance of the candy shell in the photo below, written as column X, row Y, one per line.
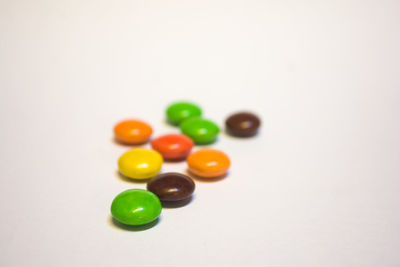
column 136, row 207
column 171, row 186
column 140, row 163
column 201, row 131
column 180, row 111
column 242, row 124
column 132, row 132
column 173, row 146
column 208, row 162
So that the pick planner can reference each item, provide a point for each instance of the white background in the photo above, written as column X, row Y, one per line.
column 318, row 187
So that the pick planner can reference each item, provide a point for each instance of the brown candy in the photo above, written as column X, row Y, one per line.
column 242, row 124
column 171, row 186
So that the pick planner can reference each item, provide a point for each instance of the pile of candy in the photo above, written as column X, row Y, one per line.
column 138, row 206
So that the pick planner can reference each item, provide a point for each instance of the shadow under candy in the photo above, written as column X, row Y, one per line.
column 122, row 177
column 132, row 228
column 177, row 204
column 206, row 179
column 115, row 141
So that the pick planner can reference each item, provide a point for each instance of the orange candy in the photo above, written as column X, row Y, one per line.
column 133, row 132
column 208, row 163
column 173, row 146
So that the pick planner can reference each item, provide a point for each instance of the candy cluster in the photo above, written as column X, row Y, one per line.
column 138, row 206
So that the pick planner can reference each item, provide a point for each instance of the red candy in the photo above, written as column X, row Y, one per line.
column 173, row 146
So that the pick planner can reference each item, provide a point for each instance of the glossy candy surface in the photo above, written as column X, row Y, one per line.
column 171, row 186
column 208, row 162
column 132, row 132
column 179, row 111
column 242, row 124
column 200, row 130
column 173, row 146
column 140, row 163
column 136, row 207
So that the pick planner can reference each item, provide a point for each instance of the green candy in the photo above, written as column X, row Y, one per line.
column 201, row 131
column 136, row 207
column 179, row 111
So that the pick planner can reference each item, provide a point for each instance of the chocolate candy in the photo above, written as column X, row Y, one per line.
column 179, row 111
column 132, row 132
column 201, row 131
column 136, row 207
column 171, row 186
column 173, row 146
column 208, row 162
column 140, row 163
column 242, row 124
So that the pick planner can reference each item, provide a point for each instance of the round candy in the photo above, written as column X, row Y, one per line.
column 177, row 112
column 208, row 162
column 173, row 146
column 171, row 186
column 140, row 163
column 243, row 124
column 201, row 131
column 132, row 132
column 136, row 207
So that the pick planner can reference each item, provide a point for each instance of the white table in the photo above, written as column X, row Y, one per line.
column 318, row 187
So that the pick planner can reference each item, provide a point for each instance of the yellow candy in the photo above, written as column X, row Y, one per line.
column 140, row 163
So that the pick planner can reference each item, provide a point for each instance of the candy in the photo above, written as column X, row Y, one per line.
column 201, row 131
column 179, row 111
column 136, row 207
column 208, row 162
column 171, row 186
column 242, row 124
column 173, row 146
column 132, row 132
column 140, row 163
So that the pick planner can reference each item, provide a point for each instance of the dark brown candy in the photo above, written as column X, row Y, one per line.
column 242, row 124
column 171, row 186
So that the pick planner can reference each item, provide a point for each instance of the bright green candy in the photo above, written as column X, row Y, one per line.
column 177, row 112
column 201, row 131
column 136, row 207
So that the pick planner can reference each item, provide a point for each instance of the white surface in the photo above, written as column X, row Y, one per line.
column 318, row 187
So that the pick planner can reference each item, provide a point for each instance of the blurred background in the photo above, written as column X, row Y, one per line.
column 317, row 187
